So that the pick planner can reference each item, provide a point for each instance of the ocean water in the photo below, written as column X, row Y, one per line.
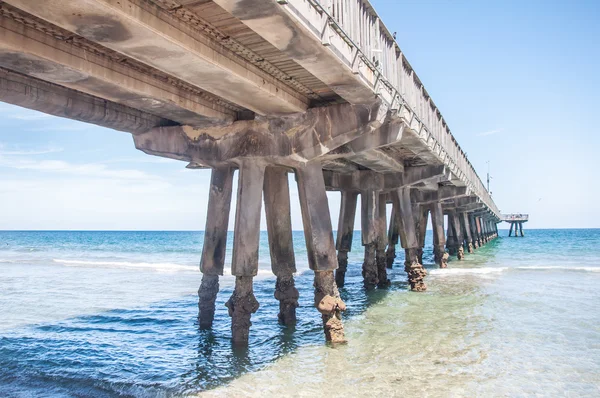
column 104, row 314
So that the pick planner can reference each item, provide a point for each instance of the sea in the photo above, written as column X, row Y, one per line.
column 113, row 314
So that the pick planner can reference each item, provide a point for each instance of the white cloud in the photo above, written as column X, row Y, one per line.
column 491, row 132
column 28, row 152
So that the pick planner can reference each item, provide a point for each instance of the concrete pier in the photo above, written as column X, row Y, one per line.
column 516, row 222
column 266, row 88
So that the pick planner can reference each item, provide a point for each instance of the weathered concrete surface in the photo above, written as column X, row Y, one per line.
column 283, row 140
column 439, row 239
column 345, row 232
column 281, row 245
column 287, row 31
column 147, row 33
column 241, row 305
column 370, row 233
column 401, row 199
column 215, row 242
column 330, row 305
column 59, row 101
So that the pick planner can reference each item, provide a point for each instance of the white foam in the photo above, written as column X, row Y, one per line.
column 163, row 267
column 559, row 268
column 467, row 271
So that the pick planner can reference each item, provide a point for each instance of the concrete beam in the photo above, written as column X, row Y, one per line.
column 147, row 33
column 35, row 53
column 292, row 139
column 442, row 194
column 284, row 25
column 52, row 99
column 370, row 180
column 378, row 161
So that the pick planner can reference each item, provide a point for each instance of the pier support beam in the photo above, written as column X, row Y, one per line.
column 414, row 269
column 320, row 248
column 244, row 264
column 422, row 215
column 454, row 220
column 281, row 245
column 473, row 227
column 215, row 242
column 345, row 232
column 451, row 238
column 439, row 240
column 392, row 237
column 370, row 235
column 467, row 231
column 382, row 241
column 479, row 231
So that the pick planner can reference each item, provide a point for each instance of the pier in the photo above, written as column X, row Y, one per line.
column 318, row 89
column 516, row 222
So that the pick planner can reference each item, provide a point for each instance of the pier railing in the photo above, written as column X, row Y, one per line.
column 515, row 217
column 364, row 43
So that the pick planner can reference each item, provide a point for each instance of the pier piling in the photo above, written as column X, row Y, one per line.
column 215, row 242
column 345, row 233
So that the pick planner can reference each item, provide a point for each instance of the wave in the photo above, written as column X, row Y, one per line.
column 161, row 267
column 167, row 267
column 558, row 268
column 467, row 271
column 498, row 270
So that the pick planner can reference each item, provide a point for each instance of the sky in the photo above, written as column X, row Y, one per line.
column 517, row 82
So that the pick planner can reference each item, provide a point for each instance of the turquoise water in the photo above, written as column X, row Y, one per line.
column 108, row 314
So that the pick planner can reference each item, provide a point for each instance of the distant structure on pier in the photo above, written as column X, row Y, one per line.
column 516, row 221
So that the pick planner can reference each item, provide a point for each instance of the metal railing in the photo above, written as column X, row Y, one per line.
column 515, row 217
column 394, row 80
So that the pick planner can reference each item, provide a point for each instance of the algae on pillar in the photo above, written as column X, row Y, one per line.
column 345, row 232
column 439, row 240
column 244, row 264
column 414, row 269
column 215, row 242
column 281, row 245
column 320, row 248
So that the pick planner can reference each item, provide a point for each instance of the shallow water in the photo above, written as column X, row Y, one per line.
column 113, row 314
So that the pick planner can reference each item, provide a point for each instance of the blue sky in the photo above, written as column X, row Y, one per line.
column 516, row 81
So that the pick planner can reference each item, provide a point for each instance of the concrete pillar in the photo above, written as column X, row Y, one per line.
column 439, row 240
column 521, row 229
column 345, row 232
column 479, row 231
column 281, row 245
column 369, row 227
column 381, row 242
column 473, row 228
column 414, row 269
column 320, row 248
column 215, row 242
column 454, row 220
column 244, row 264
column 467, row 231
column 422, row 215
column 510, row 231
column 451, row 238
column 393, row 234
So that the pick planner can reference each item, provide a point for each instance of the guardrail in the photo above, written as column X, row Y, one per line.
column 515, row 217
column 375, row 55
